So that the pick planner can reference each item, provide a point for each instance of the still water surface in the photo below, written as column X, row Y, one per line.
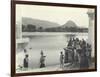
column 51, row 44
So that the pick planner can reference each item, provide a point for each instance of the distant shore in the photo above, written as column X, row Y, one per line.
column 52, row 33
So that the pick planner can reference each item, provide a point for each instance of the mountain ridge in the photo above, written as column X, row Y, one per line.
column 39, row 23
column 36, row 25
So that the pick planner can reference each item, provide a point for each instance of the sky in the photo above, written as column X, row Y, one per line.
column 55, row 14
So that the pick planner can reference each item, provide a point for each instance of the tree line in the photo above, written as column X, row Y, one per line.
column 33, row 28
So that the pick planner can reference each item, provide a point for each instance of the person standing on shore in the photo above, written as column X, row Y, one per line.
column 25, row 63
column 84, row 64
column 61, row 60
column 42, row 60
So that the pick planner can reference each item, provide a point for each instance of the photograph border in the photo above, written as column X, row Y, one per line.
column 13, row 38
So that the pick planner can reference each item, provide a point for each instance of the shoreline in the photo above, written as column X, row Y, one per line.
column 67, row 66
column 52, row 33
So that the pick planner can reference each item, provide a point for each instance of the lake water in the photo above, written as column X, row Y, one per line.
column 51, row 44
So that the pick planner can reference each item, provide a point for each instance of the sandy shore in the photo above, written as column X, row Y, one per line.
column 67, row 66
column 49, row 68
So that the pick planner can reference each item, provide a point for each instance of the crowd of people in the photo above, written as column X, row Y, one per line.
column 79, row 50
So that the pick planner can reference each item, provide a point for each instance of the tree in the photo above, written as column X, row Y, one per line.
column 23, row 28
column 40, row 29
column 31, row 28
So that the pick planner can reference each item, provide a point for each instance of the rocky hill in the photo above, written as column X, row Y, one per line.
column 69, row 24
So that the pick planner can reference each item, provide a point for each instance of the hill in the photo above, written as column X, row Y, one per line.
column 36, row 25
column 70, row 24
column 39, row 23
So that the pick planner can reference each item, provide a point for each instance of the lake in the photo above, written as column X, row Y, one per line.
column 52, row 43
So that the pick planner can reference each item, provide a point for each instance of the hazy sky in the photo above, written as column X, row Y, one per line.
column 56, row 14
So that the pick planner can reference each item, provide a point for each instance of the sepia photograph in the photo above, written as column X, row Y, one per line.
column 53, row 38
